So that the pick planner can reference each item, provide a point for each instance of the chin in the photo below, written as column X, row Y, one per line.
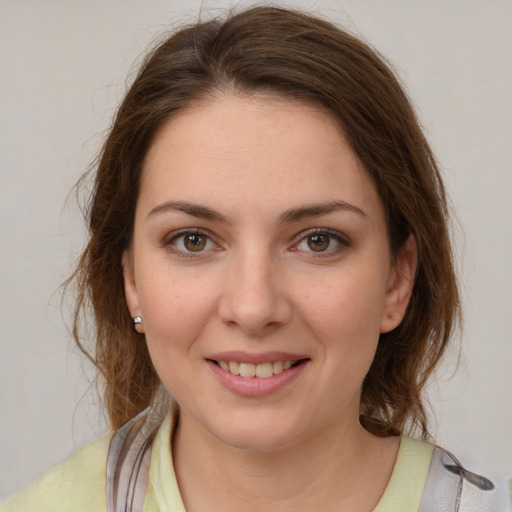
column 258, row 443
column 261, row 437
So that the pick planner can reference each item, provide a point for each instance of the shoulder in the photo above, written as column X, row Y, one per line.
column 450, row 486
column 427, row 478
column 405, row 487
column 77, row 485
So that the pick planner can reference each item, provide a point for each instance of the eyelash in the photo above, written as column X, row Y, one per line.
column 342, row 241
column 170, row 242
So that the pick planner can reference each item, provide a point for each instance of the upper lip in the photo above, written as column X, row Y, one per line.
column 256, row 358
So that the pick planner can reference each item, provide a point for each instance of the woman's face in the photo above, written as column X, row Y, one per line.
column 260, row 242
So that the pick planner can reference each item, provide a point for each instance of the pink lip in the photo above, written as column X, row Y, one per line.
column 255, row 387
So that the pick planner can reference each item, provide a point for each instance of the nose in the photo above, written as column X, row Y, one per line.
column 253, row 296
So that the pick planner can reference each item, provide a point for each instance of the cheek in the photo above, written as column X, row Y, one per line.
column 175, row 310
column 344, row 318
column 345, row 314
column 175, row 314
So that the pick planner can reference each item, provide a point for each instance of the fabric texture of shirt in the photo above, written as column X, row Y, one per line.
column 79, row 484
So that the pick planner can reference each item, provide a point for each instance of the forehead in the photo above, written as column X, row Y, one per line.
column 243, row 149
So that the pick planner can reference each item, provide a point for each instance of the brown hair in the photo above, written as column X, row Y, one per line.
column 293, row 54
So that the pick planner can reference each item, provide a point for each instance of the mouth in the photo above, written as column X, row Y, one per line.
column 257, row 375
column 258, row 371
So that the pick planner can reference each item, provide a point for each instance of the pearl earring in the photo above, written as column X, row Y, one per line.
column 138, row 325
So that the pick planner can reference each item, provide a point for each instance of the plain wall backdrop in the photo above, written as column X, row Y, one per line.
column 63, row 69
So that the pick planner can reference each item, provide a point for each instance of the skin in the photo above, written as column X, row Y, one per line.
column 240, row 173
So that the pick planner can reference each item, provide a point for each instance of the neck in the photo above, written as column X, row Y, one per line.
column 342, row 465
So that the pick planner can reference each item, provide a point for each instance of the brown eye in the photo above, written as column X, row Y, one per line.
column 322, row 243
column 190, row 243
column 194, row 242
column 318, row 243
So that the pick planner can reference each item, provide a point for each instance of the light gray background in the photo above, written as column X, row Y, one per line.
column 63, row 67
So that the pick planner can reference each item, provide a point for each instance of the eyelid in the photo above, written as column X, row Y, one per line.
column 343, row 240
column 168, row 238
column 168, row 242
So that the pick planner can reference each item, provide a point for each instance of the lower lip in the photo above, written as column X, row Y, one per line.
column 254, row 387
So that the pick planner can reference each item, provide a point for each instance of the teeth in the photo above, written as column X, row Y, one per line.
column 250, row 370
column 264, row 371
column 277, row 367
column 247, row 370
column 234, row 368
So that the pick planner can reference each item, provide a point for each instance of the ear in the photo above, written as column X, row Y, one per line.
column 130, row 287
column 400, row 285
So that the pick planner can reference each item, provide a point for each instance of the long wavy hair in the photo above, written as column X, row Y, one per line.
column 299, row 56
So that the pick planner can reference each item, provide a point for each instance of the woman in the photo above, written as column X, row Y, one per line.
column 269, row 246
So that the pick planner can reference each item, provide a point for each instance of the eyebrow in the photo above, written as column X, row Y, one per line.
column 196, row 210
column 316, row 210
column 288, row 217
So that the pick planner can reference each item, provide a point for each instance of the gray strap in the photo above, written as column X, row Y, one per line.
column 128, row 462
column 448, row 488
column 451, row 488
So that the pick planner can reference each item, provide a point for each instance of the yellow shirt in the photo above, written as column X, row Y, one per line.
column 79, row 484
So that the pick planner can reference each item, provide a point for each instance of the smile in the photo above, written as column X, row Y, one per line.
column 259, row 371
column 257, row 376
